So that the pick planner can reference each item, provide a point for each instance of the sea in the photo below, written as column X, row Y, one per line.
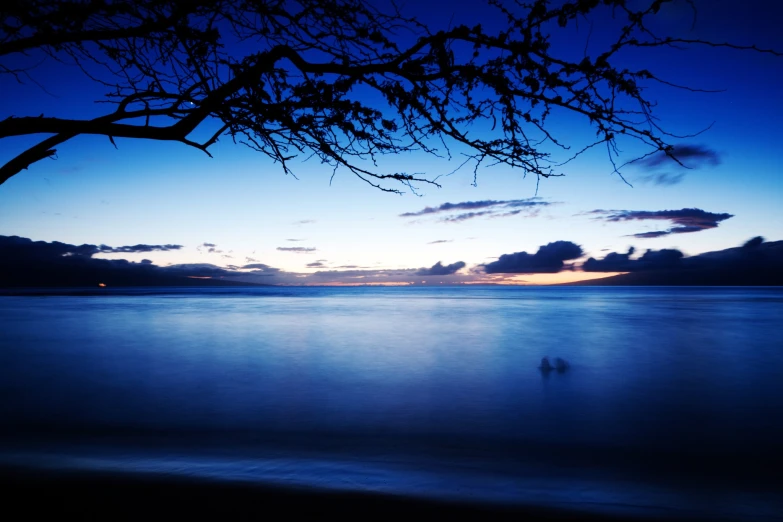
column 671, row 405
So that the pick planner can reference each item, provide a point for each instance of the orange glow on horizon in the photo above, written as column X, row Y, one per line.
column 567, row 277
column 338, row 283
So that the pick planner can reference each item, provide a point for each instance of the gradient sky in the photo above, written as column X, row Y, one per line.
column 163, row 193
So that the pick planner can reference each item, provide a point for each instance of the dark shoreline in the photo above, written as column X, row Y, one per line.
column 93, row 495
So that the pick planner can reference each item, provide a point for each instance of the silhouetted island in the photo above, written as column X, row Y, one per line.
column 755, row 263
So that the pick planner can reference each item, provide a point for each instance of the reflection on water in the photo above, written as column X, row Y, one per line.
column 665, row 386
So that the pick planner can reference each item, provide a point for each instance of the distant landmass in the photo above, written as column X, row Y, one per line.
column 33, row 264
column 754, row 264
column 38, row 264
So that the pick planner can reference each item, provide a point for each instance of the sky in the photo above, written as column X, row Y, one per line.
column 238, row 209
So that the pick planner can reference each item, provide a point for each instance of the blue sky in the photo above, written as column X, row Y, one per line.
column 162, row 193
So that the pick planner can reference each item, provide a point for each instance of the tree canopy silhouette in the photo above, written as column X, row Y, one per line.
column 345, row 81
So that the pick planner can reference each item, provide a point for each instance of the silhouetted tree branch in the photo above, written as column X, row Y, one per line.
column 338, row 79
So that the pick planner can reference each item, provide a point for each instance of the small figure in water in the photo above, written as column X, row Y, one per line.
column 561, row 365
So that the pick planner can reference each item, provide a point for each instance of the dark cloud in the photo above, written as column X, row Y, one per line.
column 196, row 270
column 450, row 207
column 664, row 178
column 251, row 260
column 480, row 208
column 509, row 213
column 138, row 248
column 650, row 260
column 686, row 219
column 437, row 241
column 548, row 260
column 440, row 270
column 754, row 263
column 260, row 267
column 349, row 266
column 650, row 235
column 691, row 156
column 465, row 216
column 300, row 250
column 681, row 158
column 211, row 248
column 316, row 264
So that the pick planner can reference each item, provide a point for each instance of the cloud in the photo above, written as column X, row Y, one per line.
column 686, row 220
column 316, row 264
column 438, row 241
column 260, row 266
column 439, row 270
column 691, row 156
column 650, row 235
column 196, row 270
column 688, row 157
column 548, row 260
column 475, row 209
column 294, row 239
column 509, row 213
column 300, row 250
column 650, row 260
column 138, row 248
column 211, row 248
column 304, row 222
column 465, row 216
column 664, row 178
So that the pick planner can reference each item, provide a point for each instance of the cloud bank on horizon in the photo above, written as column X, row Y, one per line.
column 24, row 262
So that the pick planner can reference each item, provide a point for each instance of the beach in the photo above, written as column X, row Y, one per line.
column 103, row 496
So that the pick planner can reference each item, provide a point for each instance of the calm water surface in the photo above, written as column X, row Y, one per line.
column 673, row 403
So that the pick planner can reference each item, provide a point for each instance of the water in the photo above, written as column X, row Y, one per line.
column 672, row 405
